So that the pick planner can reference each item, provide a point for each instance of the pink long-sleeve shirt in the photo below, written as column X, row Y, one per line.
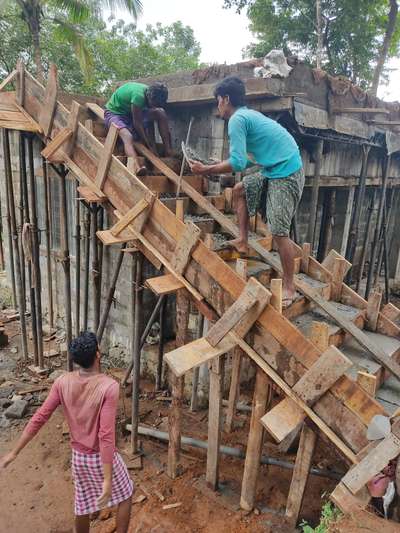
column 90, row 406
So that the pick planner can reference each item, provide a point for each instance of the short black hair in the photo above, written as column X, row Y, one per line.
column 83, row 349
column 157, row 94
column 232, row 87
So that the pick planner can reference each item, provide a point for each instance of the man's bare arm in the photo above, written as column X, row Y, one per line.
column 218, row 168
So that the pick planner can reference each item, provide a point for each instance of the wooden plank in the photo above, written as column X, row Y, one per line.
column 261, row 399
column 391, row 312
column 377, row 353
column 162, row 184
column 56, row 143
column 104, row 164
column 234, row 389
column 195, row 353
column 166, row 284
column 184, row 247
column 300, row 474
column 305, row 256
column 108, row 239
column 347, row 452
column 96, row 109
column 49, row 105
column 368, row 382
column 242, row 314
column 373, row 463
column 329, row 261
column 131, row 215
column 89, row 196
column 338, row 274
column 286, row 416
column 276, row 291
column 319, row 335
column 73, row 121
column 83, row 178
column 8, row 79
column 347, row 502
column 214, row 422
column 368, row 110
column 373, row 307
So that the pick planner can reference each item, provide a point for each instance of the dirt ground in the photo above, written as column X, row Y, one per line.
column 36, row 491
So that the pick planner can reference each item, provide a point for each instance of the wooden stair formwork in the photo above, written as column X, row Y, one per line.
column 339, row 408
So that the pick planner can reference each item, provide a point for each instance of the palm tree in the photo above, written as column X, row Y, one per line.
column 67, row 15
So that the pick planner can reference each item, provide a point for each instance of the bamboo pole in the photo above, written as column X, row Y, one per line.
column 86, row 225
column 100, row 252
column 325, row 238
column 314, row 194
column 366, row 241
column 21, row 154
column 26, row 220
column 143, row 337
column 9, row 229
column 177, row 384
column 35, row 253
column 110, row 295
column 194, row 400
column 66, row 260
column 95, row 267
column 158, row 384
column 378, row 226
column 138, row 297
column 13, row 223
column 77, row 264
column 2, row 265
column 387, row 212
column 47, row 207
column 355, row 226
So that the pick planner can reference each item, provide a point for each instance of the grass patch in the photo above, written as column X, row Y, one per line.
column 329, row 515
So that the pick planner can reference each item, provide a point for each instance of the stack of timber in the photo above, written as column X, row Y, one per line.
column 328, row 390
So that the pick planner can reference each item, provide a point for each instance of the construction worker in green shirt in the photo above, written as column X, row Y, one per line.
column 133, row 108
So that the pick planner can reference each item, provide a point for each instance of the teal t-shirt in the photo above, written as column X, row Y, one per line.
column 257, row 139
column 126, row 96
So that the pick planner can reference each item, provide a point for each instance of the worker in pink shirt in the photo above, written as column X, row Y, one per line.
column 89, row 400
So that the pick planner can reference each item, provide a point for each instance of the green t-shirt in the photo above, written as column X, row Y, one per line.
column 126, row 96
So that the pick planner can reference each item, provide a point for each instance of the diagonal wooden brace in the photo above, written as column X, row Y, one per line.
column 104, row 164
column 56, row 143
column 287, row 415
column 237, row 312
column 375, row 461
column 200, row 351
column 134, row 219
column 185, row 246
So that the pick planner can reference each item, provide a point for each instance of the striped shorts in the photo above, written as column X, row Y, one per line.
column 87, row 471
column 276, row 199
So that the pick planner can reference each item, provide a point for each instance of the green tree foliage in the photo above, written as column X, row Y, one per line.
column 353, row 32
column 66, row 15
column 119, row 52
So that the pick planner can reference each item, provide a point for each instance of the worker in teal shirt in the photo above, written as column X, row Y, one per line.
column 275, row 188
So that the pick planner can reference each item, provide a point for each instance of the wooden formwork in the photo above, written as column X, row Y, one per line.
column 305, row 362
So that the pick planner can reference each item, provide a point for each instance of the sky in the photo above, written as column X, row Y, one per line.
column 223, row 33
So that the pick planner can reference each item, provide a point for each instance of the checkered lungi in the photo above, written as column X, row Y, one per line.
column 87, row 471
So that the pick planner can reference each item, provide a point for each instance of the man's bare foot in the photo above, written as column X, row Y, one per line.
column 241, row 246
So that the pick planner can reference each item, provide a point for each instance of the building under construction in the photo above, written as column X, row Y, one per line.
column 87, row 244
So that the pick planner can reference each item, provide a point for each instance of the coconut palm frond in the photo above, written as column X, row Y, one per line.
column 135, row 7
column 76, row 10
column 67, row 32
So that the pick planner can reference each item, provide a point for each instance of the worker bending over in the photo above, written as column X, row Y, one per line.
column 133, row 109
column 89, row 400
column 276, row 189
